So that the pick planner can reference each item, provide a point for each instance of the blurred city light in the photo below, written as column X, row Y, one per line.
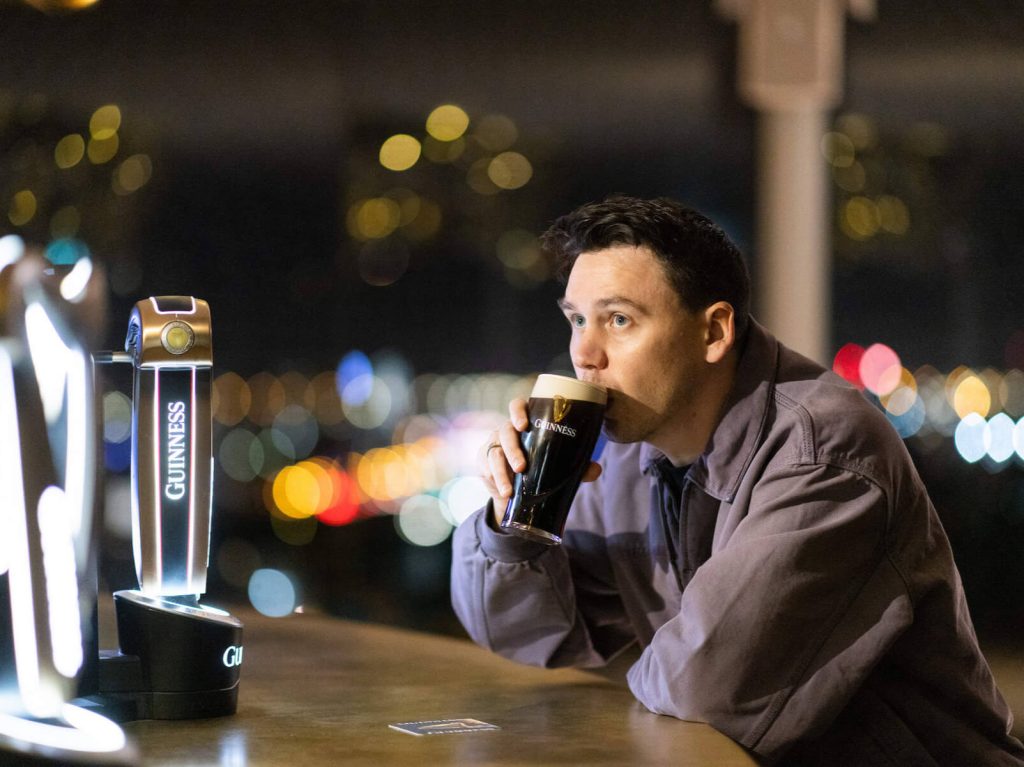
column 22, row 208
column 1000, row 438
column 970, row 437
column 103, row 150
column 69, row 151
column 510, row 170
column 132, row 174
column 880, row 369
column 400, row 152
column 105, row 122
column 422, row 522
column 273, row 592
column 447, row 123
column 972, row 396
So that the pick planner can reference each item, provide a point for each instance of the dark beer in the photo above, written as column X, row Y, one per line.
column 565, row 421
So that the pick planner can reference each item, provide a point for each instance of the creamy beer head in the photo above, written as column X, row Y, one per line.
column 565, row 417
column 549, row 386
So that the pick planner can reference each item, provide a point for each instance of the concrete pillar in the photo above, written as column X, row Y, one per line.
column 790, row 71
column 793, row 283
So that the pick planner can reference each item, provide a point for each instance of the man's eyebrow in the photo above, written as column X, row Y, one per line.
column 621, row 301
column 603, row 303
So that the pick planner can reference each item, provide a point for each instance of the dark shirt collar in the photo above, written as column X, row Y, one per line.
column 720, row 468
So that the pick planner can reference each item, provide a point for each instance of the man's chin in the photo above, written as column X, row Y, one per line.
column 614, row 434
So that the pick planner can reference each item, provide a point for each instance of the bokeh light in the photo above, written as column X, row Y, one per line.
column 894, row 217
column 443, row 151
column 1011, row 393
column 240, row 455
column 447, row 122
column 462, row 496
column 117, row 431
column 231, row 399
column 23, row 207
column 860, row 128
column 847, row 364
column 69, row 151
column 970, row 437
column 972, row 396
column 373, row 218
column 273, row 592
column 903, row 396
column 354, row 378
column 103, row 150
column 852, row 179
column 299, row 427
column 510, row 170
column 105, row 122
column 343, row 507
column 999, row 440
column 65, row 222
column 479, row 179
column 132, row 174
column 838, row 149
column 400, row 152
column 880, row 369
column 422, row 522
column 267, row 398
column 117, row 417
column 909, row 421
column 372, row 412
column 859, row 218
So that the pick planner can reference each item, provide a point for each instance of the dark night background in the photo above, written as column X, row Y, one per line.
column 262, row 122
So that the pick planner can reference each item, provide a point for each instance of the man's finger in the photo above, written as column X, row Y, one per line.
column 593, row 472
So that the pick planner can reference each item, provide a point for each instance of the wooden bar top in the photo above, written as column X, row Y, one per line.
column 316, row 690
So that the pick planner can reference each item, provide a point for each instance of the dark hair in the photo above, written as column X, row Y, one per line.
column 700, row 261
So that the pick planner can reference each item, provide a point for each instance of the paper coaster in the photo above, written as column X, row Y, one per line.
column 443, row 726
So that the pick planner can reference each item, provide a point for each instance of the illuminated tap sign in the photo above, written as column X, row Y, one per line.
column 175, row 452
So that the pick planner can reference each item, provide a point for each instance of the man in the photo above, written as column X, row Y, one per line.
column 754, row 525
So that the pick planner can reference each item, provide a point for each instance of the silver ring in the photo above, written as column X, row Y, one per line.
column 491, row 447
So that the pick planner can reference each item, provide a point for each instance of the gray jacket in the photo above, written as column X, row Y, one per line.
column 812, row 609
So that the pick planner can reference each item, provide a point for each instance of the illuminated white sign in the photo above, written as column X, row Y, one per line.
column 174, row 489
column 233, row 656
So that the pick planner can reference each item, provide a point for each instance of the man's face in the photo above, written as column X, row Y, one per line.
column 631, row 333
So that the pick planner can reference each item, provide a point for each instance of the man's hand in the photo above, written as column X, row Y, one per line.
column 503, row 456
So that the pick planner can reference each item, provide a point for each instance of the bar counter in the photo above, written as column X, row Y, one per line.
column 316, row 690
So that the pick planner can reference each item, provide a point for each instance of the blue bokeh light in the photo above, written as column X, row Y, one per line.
column 354, row 378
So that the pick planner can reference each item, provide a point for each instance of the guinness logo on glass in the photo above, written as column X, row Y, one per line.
column 561, row 407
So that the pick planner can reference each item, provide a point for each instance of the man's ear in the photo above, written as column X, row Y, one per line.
column 720, row 331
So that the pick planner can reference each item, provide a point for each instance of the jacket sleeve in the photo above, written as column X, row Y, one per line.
column 536, row 604
column 778, row 629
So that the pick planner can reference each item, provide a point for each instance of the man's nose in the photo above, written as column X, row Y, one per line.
column 587, row 351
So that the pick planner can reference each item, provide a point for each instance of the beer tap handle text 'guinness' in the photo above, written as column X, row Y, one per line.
column 565, row 421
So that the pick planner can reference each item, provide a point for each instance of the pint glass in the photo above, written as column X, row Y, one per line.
column 565, row 421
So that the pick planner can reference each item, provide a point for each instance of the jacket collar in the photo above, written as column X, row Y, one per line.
column 719, row 470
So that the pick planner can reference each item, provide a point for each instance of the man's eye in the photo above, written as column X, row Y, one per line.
column 620, row 320
column 576, row 320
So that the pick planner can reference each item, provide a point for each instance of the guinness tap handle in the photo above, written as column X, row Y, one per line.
column 169, row 343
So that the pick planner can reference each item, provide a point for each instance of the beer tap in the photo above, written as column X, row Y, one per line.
column 48, row 478
column 178, row 659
